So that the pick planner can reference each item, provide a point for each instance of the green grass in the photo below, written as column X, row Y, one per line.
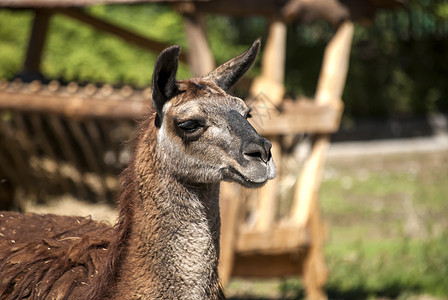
column 394, row 268
column 388, row 269
column 388, row 225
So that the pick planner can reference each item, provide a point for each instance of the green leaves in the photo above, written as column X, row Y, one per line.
column 398, row 66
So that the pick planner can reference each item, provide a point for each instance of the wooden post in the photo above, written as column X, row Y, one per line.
column 329, row 90
column 273, row 65
column 335, row 65
column 230, row 203
column 36, row 43
column 200, row 57
column 270, row 84
column 305, row 211
column 267, row 195
column 315, row 271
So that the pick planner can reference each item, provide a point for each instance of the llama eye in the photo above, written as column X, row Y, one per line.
column 248, row 114
column 189, row 126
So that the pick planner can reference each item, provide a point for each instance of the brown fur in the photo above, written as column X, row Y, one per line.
column 165, row 244
column 49, row 257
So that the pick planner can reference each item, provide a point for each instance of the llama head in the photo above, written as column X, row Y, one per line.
column 202, row 132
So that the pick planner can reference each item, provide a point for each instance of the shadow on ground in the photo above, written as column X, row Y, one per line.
column 392, row 291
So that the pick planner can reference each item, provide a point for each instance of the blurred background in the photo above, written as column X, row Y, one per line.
column 384, row 191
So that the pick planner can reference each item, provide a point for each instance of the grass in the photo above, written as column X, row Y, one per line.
column 388, row 268
column 388, row 226
column 388, row 231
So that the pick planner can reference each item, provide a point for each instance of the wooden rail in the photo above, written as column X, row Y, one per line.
column 273, row 241
column 300, row 116
column 73, row 106
column 74, row 101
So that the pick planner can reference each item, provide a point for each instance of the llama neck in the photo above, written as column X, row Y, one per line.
column 172, row 243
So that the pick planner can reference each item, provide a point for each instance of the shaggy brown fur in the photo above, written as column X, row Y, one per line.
column 165, row 244
column 49, row 257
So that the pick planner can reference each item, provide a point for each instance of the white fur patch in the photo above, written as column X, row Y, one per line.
column 166, row 106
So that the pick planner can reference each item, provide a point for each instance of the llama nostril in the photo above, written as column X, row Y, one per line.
column 254, row 154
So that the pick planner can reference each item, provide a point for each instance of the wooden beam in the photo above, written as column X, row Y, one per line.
column 315, row 270
column 200, row 57
column 309, row 183
column 231, row 201
column 267, row 266
column 73, row 106
column 77, row 3
column 304, row 116
column 330, row 87
column 273, row 241
column 301, row 11
column 268, row 195
column 335, row 65
column 241, row 8
column 271, row 82
column 38, row 36
column 122, row 33
column 301, row 116
column 298, row 11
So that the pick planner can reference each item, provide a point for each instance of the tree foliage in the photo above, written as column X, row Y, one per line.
column 398, row 65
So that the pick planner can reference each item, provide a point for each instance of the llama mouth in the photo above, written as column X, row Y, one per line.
column 233, row 175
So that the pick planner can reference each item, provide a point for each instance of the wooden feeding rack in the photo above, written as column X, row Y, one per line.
column 264, row 246
column 66, row 139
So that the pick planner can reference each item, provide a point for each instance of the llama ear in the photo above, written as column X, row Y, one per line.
column 230, row 72
column 164, row 85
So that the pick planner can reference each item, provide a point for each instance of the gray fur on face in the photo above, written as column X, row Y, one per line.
column 234, row 151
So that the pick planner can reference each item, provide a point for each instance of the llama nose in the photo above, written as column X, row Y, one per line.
column 260, row 150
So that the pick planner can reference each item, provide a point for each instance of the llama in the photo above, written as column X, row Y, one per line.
column 165, row 244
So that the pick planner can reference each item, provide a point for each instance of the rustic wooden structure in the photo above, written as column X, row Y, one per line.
column 292, row 245
column 68, row 138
